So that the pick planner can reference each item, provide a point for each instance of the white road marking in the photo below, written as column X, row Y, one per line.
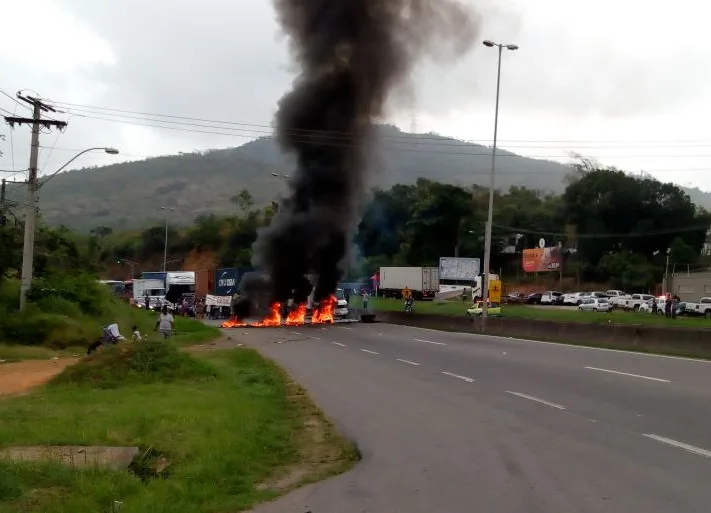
column 430, row 342
column 536, row 399
column 339, row 344
column 680, row 445
column 368, row 351
column 463, row 378
column 316, row 338
column 559, row 344
column 347, row 328
column 408, row 362
column 296, row 333
column 628, row 374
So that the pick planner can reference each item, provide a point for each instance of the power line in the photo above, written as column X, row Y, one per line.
column 346, row 144
column 535, row 172
column 669, row 231
column 93, row 109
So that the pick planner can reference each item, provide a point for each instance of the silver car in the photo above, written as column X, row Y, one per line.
column 595, row 304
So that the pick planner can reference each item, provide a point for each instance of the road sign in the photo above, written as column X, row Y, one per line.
column 495, row 291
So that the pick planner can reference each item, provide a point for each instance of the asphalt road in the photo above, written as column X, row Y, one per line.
column 465, row 423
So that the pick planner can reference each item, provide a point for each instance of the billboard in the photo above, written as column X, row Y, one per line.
column 226, row 281
column 541, row 260
column 460, row 269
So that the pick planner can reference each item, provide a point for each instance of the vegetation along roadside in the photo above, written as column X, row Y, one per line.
column 216, row 431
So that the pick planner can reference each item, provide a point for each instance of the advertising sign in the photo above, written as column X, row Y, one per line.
column 226, row 281
column 540, row 260
column 211, row 300
column 495, row 291
column 460, row 269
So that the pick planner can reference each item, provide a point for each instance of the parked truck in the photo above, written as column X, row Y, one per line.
column 153, row 289
column 702, row 308
column 422, row 281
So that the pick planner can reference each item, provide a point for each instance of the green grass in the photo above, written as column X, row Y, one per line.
column 17, row 353
column 458, row 307
column 222, row 435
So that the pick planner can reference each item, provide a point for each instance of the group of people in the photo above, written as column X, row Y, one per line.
column 165, row 325
column 670, row 306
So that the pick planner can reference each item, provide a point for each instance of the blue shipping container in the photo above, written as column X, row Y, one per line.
column 154, row 276
column 227, row 281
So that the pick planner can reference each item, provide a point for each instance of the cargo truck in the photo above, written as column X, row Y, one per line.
column 422, row 281
column 152, row 289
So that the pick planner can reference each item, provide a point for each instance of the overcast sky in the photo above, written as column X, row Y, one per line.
column 626, row 81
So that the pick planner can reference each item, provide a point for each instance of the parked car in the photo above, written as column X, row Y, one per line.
column 534, row 299
column 514, row 298
column 494, row 310
column 634, row 301
column 551, row 297
column 595, row 304
column 571, row 298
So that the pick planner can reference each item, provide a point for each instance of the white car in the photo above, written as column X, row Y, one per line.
column 551, row 297
column 595, row 304
column 572, row 298
column 646, row 307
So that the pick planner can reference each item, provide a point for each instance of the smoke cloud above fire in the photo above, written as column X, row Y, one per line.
column 351, row 54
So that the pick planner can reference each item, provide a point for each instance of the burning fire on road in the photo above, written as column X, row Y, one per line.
column 323, row 314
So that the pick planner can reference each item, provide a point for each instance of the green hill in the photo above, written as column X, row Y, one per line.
column 128, row 195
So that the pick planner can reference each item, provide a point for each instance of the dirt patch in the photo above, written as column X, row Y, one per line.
column 20, row 377
column 322, row 451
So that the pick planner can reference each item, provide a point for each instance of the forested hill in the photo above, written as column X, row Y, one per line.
column 129, row 195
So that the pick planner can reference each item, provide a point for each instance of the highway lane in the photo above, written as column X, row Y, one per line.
column 433, row 441
column 600, row 385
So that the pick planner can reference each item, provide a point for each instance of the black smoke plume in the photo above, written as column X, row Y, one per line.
column 352, row 53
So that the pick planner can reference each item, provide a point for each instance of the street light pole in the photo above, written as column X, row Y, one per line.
column 33, row 186
column 492, row 183
column 129, row 263
column 165, row 211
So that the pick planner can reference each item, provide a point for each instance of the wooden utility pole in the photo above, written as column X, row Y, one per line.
column 38, row 107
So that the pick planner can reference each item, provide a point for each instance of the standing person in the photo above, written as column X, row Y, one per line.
column 668, row 307
column 366, row 296
column 148, row 302
column 165, row 323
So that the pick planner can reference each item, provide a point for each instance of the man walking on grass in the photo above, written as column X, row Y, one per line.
column 165, row 323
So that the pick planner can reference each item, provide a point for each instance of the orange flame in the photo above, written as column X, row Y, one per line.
column 271, row 320
column 324, row 313
column 297, row 317
column 321, row 315
column 233, row 322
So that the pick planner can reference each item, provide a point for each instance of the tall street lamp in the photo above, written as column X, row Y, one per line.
column 129, row 263
column 165, row 211
column 490, row 218
column 28, row 248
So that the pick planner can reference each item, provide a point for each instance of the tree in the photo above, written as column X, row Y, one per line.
column 617, row 212
column 628, row 271
column 682, row 253
column 244, row 201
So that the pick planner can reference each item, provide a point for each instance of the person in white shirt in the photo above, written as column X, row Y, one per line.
column 137, row 337
column 165, row 323
column 113, row 330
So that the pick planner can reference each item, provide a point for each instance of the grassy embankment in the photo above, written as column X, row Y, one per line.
column 233, row 428
column 65, row 317
column 553, row 313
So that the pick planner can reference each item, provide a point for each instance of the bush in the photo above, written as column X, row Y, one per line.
column 129, row 363
column 83, row 290
column 34, row 328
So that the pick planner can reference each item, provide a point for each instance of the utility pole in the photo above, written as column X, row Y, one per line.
column 3, row 217
column 38, row 107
